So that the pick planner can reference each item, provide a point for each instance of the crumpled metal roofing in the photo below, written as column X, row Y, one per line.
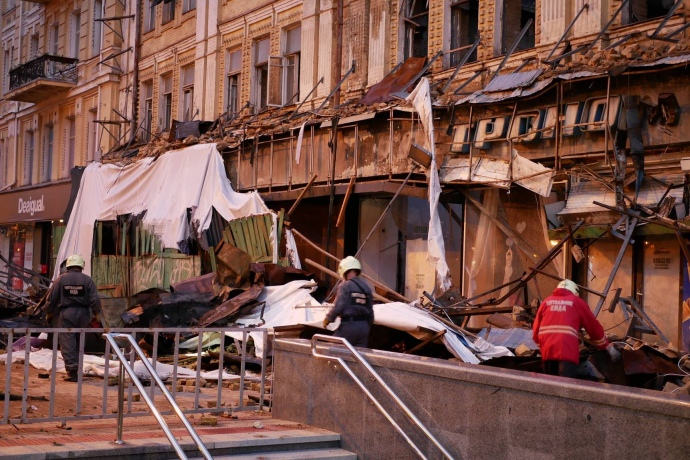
column 512, row 81
column 480, row 97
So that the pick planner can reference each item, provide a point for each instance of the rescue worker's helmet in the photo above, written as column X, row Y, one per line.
column 75, row 260
column 347, row 264
column 569, row 285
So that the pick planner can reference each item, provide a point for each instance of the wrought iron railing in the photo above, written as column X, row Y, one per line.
column 50, row 67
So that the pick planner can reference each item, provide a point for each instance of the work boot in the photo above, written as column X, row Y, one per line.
column 71, row 377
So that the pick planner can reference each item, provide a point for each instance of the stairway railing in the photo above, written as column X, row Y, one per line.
column 325, row 338
column 113, row 337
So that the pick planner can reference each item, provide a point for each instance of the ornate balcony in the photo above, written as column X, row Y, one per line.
column 42, row 78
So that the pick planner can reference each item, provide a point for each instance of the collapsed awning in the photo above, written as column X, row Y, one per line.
column 164, row 190
column 498, row 172
column 583, row 195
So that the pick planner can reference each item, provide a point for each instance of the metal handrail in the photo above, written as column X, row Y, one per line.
column 112, row 337
column 377, row 377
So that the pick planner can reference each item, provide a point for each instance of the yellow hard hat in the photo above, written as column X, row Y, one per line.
column 75, row 260
column 569, row 285
column 347, row 264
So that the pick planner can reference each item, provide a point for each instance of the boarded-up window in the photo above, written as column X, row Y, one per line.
column 187, row 82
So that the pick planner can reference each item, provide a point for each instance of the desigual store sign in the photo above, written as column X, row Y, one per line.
column 36, row 204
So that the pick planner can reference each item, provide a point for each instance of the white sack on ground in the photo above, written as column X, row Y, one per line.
column 284, row 307
column 164, row 187
column 421, row 99
column 95, row 366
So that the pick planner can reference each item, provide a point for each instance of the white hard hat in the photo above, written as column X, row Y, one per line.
column 347, row 264
column 569, row 285
column 75, row 260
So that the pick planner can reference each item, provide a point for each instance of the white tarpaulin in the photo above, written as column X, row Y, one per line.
column 421, row 99
column 95, row 365
column 292, row 304
column 165, row 187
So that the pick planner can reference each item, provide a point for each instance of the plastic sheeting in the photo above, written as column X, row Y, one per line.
column 95, row 365
column 292, row 304
column 165, row 187
column 421, row 99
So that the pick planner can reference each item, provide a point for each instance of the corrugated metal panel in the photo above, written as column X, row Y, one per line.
column 481, row 98
column 666, row 61
column 512, row 81
column 583, row 195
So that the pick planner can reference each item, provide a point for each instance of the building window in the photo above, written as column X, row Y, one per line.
column 166, row 102
column 76, row 34
column 70, row 151
column 54, row 39
column 33, row 47
column 516, row 14
column 97, row 38
column 188, row 5
column 643, row 10
column 9, row 4
column 464, row 29
column 3, row 164
column 187, row 82
column 232, row 91
column 168, row 11
column 147, row 111
column 94, row 152
column 150, row 16
column 415, row 19
column 260, row 77
column 27, row 158
column 47, row 153
column 284, row 71
column 6, row 64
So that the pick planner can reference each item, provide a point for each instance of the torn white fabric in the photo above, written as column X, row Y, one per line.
column 164, row 187
column 286, row 305
column 298, row 150
column 291, row 249
column 95, row 366
column 421, row 99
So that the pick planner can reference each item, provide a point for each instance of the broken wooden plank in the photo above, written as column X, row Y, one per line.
column 232, row 306
column 301, row 195
column 425, row 342
column 379, row 285
column 318, row 266
column 341, row 215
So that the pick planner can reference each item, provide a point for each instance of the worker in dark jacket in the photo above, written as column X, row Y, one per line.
column 354, row 304
column 73, row 297
column 557, row 327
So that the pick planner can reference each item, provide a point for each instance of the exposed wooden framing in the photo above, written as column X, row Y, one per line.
column 558, row 278
column 378, row 284
column 341, row 215
column 519, row 241
column 318, row 266
column 426, row 342
column 301, row 195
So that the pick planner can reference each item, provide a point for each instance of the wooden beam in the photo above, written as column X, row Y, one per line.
column 341, row 215
column 426, row 342
column 378, row 284
column 318, row 266
column 519, row 242
column 301, row 195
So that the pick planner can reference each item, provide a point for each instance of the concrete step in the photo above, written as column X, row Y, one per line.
column 316, row 454
column 275, row 439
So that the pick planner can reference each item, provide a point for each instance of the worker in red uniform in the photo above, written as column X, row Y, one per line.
column 557, row 326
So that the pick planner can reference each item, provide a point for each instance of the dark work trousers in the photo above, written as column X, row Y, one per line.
column 69, row 342
column 356, row 332
column 562, row 368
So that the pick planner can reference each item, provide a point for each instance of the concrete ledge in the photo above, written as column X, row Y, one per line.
column 476, row 411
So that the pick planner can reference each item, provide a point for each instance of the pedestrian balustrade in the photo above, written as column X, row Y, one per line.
column 224, row 394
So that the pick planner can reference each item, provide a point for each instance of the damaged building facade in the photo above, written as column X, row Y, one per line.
column 64, row 78
column 541, row 110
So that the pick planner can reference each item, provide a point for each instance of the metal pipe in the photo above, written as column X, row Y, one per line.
column 120, row 400
column 383, row 384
